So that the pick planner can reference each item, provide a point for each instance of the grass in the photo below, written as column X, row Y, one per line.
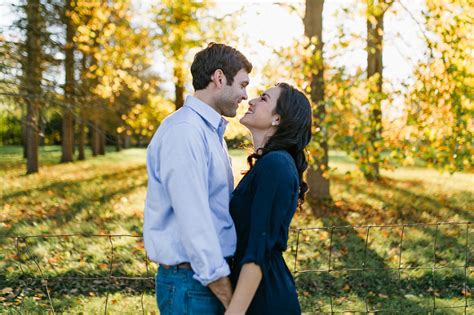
column 105, row 195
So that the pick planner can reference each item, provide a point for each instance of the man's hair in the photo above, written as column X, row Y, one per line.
column 217, row 56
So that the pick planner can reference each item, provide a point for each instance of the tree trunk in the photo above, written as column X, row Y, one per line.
column 68, row 118
column 102, row 143
column 32, row 78
column 179, row 87
column 118, row 142
column 32, row 136
column 375, row 13
column 126, row 141
column 139, row 140
column 318, row 180
column 82, row 123
column 94, row 137
column 81, row 137
column 24, row 131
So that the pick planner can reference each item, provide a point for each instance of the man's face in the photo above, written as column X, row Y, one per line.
column 231, row 95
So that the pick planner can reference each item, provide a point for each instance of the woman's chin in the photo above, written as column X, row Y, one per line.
column 243, row 121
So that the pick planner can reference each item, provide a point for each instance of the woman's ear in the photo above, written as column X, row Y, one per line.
column 276, row 120
column 218, row 78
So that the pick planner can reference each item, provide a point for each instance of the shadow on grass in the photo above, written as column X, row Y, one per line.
column 401, row 205
column 78, row 195
column 31, row 294
column 330, row 283
column 121, row 268
column 61, row 186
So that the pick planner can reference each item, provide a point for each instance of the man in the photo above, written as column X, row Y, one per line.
column 187, row 228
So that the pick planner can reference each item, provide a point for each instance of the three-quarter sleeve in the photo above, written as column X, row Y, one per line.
column 275, row 185
column 184, row 172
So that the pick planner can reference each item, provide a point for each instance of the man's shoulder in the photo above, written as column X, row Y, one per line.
column 182, row 118
column 180, row 127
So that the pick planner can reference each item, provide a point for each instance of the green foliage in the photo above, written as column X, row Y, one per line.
column 143, row 119
column 439, row 106
column 10, row 127
column 183, row 27
column 436, row 124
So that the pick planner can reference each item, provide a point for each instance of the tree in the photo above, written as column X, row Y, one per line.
column 82, row 111
column 318, row 177
column 438, row 123
column 115, row 53
column 375, row 29
column 68, row 119
column 32, row 75
column 179, row 31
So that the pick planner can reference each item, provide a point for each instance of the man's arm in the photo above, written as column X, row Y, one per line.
column 222, row 288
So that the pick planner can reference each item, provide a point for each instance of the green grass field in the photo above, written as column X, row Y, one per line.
column 105, row 195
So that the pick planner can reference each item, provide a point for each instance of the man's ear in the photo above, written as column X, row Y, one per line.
column 218, row 78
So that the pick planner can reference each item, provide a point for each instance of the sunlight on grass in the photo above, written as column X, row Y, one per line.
column 118, row 303
column 105, row 195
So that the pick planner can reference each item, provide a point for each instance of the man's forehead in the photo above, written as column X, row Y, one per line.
column 242, row 76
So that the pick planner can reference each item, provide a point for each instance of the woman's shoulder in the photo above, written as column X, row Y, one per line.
column 277, row 159
column 277, row 156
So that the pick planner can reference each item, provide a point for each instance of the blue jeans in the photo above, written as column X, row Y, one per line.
column 177, row 292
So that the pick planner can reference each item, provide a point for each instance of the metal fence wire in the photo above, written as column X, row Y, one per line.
column 329, row 264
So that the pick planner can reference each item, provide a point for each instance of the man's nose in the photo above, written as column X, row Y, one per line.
column 245, row 95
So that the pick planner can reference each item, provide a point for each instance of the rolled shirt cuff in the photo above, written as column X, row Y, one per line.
column 222, row 271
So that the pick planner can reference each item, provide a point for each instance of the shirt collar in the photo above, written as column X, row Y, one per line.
column 206, row 112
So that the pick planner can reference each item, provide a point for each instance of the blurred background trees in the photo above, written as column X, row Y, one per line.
column 97, row 73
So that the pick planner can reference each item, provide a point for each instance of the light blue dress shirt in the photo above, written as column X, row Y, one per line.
column 190, row 183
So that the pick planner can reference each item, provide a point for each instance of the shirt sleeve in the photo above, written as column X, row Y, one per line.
column 184, row 172
column 274, row 192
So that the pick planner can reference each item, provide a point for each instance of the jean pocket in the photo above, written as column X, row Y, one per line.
column 198, row 303
column 164, row 298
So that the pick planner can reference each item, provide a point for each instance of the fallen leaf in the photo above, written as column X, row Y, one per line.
column 7, row 290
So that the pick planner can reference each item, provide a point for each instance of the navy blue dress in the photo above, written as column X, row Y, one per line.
column 262, row 207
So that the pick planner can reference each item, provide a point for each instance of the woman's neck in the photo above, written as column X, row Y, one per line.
column 259, row 139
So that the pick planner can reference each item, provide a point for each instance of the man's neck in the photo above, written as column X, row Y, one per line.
column 205, row 97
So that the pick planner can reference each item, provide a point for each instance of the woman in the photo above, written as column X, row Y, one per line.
column 265, row 201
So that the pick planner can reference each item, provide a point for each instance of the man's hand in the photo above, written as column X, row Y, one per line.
column 222, row 288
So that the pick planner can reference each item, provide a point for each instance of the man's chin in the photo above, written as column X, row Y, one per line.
column 230, row 114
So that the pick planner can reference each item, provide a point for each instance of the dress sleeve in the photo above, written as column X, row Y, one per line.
column 275, row 184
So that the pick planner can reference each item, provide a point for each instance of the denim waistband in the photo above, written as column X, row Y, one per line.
column 175, row 268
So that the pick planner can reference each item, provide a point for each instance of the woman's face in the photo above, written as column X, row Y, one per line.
column 261, row 112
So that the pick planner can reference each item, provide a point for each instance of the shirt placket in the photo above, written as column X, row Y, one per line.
column 220, row 133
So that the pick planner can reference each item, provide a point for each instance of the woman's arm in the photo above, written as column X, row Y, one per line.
column 249, row 279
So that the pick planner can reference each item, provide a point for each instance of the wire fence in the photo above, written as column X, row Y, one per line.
column 317, row 256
